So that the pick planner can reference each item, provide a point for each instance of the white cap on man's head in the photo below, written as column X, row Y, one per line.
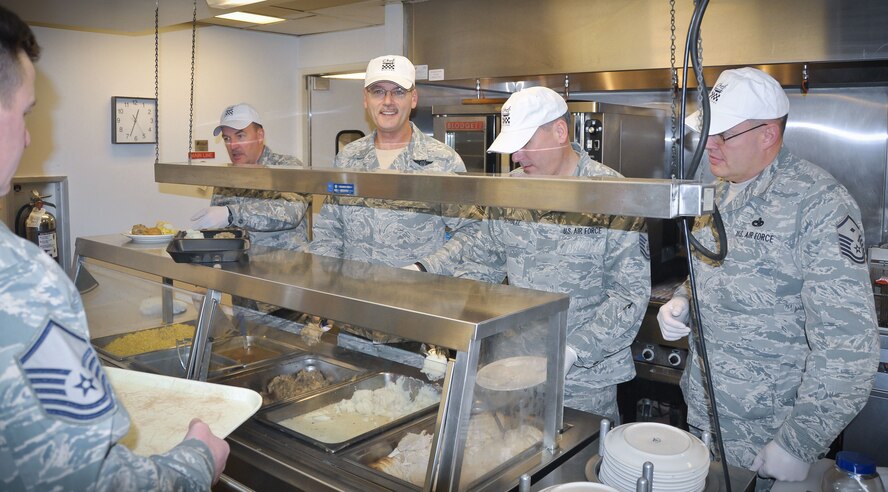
column 739, row 95
column 238, row 117
column 523, row 113
column 390, row 68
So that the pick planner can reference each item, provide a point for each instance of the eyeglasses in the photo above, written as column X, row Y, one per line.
column 398, row 93
column 720, row 138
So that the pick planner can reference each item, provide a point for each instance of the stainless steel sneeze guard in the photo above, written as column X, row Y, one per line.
column 655, row 198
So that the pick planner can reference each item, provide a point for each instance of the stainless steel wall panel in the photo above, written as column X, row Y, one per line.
column 496, row 38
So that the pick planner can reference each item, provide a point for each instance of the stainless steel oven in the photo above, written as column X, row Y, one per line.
column 469, row 130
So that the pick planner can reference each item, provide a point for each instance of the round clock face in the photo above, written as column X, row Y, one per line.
column 134, row 120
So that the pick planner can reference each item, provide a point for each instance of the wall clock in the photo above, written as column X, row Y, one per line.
column 133, row 120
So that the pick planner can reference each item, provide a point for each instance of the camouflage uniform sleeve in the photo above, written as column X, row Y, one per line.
column 840, row 328
column 327, row 231
column 264, row 211
column 627, row 289
column 463, row 222
column 477, row 255
column 188, row 466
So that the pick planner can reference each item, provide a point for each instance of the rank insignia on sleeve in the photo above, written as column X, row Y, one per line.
column 851, row 240
column 65, row 374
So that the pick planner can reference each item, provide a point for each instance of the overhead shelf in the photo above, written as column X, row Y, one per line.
column 655, row 198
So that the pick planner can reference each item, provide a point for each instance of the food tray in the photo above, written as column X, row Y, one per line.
column 373, row 450
column 160, row 408
column 168, row 363
column 274, row 416
column 209, row 249
column 250, row 350
column 102, row 343
column 257, row 379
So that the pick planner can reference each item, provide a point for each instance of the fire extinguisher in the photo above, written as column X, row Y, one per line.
column 38, row 226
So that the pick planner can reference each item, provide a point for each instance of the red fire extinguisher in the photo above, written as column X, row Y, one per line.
column 39, row 226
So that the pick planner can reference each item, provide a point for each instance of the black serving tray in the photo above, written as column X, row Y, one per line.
column 210, row 249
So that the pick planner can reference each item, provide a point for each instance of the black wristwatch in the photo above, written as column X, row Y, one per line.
column 230, row 217
column 421, row 267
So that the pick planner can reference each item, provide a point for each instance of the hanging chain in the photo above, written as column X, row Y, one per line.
column 191, row 102
column 699, row 48
column 156, row 85
column 674, row 79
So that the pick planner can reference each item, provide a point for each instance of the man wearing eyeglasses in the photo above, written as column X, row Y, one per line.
column 392, row 232
column 788, row 315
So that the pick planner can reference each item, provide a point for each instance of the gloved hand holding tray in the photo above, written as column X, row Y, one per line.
column 160, row 408
column 209, row 245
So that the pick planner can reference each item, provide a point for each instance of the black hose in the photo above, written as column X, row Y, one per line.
column 691, row 44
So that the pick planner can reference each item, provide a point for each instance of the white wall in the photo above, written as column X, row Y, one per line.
column 111, row 187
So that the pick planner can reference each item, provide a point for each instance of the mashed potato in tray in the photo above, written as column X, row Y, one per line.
column 364, row 411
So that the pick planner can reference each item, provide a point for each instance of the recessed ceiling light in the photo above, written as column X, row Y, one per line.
column 350, row 76
column 227, row 4
column 250, row 18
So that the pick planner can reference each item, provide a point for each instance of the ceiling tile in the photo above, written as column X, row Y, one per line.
column 311, row 25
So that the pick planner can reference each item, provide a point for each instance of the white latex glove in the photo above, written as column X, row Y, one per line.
column 570, row 358
column 672, row 318
column 210, row 218
column 775, row 462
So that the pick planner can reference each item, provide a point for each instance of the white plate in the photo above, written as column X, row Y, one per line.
column 149, row 238
column 160, row 408
column 580, row 487
column 671, row 450
column 513, row 373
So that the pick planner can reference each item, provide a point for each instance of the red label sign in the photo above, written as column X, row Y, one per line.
column 202, row 155
column 464, row 126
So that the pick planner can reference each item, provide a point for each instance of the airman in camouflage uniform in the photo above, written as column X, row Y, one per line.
column 601, row 261
column 46, row 441
column 788, row 315
column 274, row 219
column 60, row 421
column 392, row 232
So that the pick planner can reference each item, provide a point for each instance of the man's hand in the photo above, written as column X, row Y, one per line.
column 672, row 318
column 210, row 218
column 570, row 358
column 197, row 429
column 775, row 462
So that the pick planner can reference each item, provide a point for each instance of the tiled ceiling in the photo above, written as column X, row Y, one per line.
column 136, row 17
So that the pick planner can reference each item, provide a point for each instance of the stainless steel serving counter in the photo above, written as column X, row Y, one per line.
column 481, row 323
column 260, row 460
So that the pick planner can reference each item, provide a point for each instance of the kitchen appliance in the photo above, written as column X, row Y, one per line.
column 628, row 139
column 470, row 130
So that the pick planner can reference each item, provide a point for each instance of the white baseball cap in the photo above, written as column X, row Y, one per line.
column 390, row 68
column 739, row 95
column 238, row 117
column 523, row 113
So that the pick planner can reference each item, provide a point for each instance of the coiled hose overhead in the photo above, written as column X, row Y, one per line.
column 691, row 243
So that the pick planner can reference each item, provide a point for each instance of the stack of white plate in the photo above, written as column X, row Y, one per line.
column 681, row 461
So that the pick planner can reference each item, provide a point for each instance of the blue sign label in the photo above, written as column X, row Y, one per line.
column 341, row 188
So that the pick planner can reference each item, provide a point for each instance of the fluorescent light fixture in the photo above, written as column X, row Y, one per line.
column 349, row 76
column 250, row 18
column 227, row 4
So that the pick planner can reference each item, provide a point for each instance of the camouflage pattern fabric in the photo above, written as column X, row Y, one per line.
column 788, row 316
column 601, row 261
column 275, row 219
column 393, row 232
column 59, row 418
